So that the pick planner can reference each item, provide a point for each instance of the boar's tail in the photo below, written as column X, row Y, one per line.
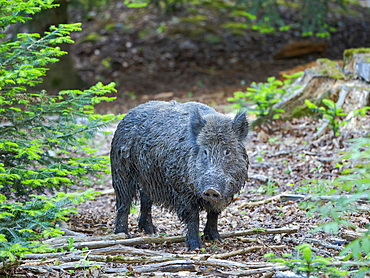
column 124, row 182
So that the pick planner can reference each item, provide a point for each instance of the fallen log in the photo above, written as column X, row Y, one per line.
column 173, row 239
column 106, row 251
column 65, row 239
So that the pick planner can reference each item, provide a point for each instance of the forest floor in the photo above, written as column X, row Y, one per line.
column 285, row 162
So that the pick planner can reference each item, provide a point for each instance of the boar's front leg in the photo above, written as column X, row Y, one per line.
column 190, row 217
column 210, row 230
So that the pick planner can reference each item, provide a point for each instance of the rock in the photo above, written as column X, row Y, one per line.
column 70, row 233
column 353, row 56
column 363, row 70
column 357, row 61
column 298, row 48
column 287, row 274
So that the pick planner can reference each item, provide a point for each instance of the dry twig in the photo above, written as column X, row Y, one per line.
column 258, row 203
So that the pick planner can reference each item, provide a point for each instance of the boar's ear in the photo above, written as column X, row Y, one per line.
column 196, row 122
column 240, row 125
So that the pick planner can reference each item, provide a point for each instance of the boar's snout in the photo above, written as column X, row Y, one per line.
column 211, row 195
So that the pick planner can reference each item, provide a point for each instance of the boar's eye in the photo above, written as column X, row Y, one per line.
column 205, row 154
column 227, row 152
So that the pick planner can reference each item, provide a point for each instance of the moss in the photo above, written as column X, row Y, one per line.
column 348, row 53
column 112, row 259
column 329, row 68
column 300, row 111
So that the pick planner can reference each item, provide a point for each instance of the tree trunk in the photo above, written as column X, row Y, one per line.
column 62, row 75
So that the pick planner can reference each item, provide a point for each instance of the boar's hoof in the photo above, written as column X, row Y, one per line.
column 211, row 194
column 194, row 244
column 212, row 235
column 120, row 228
column 148, row 228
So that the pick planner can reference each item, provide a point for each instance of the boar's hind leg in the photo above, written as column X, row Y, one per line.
column 145, row 222
column 190, row 217
column 123, row 209
column 125, row 192
column 210, row 231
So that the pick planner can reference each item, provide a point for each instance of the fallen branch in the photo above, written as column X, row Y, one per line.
column 351, row 235
column 173, row 239
column 325, row 244
column 64, row 239
column 308, row 197
column 166, row 266
column 43, row 269
column 220, row 263
column 247, row 239
column 254, row 271
column 258, row 203
column 256, row 231
column 298, row 242
column 121, row 259
column 258, row 177
column 209, row 262
column 245, row 250
column 106, row 192
column 8, row 264
column 106, row 251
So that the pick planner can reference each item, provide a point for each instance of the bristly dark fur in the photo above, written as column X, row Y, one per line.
column 171, row 153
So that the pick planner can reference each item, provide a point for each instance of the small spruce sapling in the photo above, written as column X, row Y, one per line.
column 260, row 100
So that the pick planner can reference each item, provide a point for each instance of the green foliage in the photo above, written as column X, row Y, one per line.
column 305, row 261
column 264, row 96
column 70, row 246
column 22, row 225
column 355, row 180
column 13, row 11
column 351, row 186
column 269, row 188
column 265, row 16
column 332, row 113
column 44, row 138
